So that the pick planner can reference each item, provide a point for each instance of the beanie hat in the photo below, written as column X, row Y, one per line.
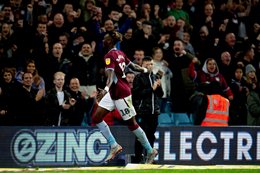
column 250, row 68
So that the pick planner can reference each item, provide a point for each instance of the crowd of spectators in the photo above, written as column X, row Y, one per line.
column 39, row 38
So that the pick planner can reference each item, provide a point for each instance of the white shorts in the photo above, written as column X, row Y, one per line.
column 124, row 106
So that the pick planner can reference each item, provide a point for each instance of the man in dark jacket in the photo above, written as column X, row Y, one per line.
column 85, row 68
column 147, row 93
column 182, row 82
column 27, row 104
column 83, row 107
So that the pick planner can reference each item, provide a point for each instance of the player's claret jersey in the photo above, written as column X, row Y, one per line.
column 116, row 60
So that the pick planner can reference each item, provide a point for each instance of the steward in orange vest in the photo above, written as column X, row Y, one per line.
column 217, row 113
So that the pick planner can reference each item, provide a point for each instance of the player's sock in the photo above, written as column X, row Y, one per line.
column 103, row 127
column 139, row 133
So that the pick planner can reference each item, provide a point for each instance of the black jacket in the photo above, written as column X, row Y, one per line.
column 85, row 71
column 53, row 109
column 145, row 100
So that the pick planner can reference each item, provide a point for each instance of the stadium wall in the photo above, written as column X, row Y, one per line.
column 78, row 146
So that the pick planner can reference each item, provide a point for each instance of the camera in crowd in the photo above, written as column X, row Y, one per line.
column 159, row 74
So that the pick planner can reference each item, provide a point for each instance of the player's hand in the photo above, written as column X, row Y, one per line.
column 101, row 93
column 145, row 70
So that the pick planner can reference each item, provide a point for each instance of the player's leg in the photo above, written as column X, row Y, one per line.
column 128, row 113
column 105, row 106
column 139, row 149
column 141, row 136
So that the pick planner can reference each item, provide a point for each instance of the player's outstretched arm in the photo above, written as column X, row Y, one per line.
column 137, row 67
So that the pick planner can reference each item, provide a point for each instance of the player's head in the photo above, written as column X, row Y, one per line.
column 112, row 38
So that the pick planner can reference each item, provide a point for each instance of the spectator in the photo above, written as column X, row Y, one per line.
column 83, row 107
column 226, row 66
column 8, row 85
column 251, row 77
column 65, row 41
column 256, row 61
column 182, row 84
column 145, row 39
column 137, row 59
column 8, row 13
column 204, row 45
column 253, row 20
column 56, row 28
column 188, row 45
column 209, row 19
column 138, row 56
column 178, row 12
column 169, row 27
column 127, row 12
column 39, row 38
column 147, row 93
column 191, row 7
column 38, row 81
column 236, row 14
column 108, row 26
column 130, row 78
column 127, row 45
column 247, row 55
column 180, row 24
column 58, row 102
column 70, row 16
column 162, row 70
column 209, row 79
column 56, row 62
column 7, row 39
column 151, row 13
column 253, row 105
column 27, row 106
column 115, row 15
column 238, row 109
column 85, row 68
column 229, row 44
column 88, row 10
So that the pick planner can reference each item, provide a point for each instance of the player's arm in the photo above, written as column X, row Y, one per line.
column 137, row 67
column 110, row 75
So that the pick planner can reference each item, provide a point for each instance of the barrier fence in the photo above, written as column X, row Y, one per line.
column 79, row 146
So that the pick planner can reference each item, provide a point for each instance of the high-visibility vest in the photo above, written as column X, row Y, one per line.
column 217, row 112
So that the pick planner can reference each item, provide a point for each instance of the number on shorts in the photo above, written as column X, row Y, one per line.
column 125, row 111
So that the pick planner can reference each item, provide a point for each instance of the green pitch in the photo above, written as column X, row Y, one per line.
column 142, row 168
column 155, row 171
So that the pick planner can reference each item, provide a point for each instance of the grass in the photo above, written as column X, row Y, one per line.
column 154, row 171
column 143, row 169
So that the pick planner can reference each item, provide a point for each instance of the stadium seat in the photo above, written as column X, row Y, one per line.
column 165, row 119
column 181, row 119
